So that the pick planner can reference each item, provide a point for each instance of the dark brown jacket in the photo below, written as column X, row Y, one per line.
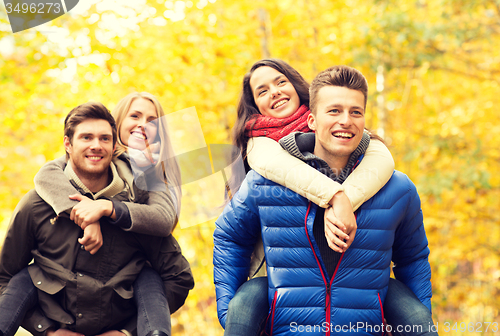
column 86, row 293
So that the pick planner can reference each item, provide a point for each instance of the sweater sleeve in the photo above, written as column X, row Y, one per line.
column 270, row 160
column 51, row 183
column 370, row 175
column 156, row 218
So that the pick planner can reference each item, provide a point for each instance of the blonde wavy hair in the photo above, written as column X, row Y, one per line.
column 167, row 168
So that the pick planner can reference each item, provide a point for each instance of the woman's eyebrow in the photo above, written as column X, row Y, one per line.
column 274, row 80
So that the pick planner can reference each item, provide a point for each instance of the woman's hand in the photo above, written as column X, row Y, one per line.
column 92, row 238
column 112, row 333
column 335, row 231
column 340, row 223
column 89, row 211
column 87, row 214
column 62, row 332
column 145, row 157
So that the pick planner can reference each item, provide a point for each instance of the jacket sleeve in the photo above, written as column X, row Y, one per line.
column 236, row 232
column 16, row 255
column 410, row 250
column 157, row 217
column 19, row 241
column 166, row 258
column 370, row 175
column 270, row 160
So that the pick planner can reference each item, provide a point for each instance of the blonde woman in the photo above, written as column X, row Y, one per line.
column 143, row 158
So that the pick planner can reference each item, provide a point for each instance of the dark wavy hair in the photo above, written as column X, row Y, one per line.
column 247, row 109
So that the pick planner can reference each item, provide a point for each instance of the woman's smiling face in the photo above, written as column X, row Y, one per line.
column 273, row 93
column 139, row 124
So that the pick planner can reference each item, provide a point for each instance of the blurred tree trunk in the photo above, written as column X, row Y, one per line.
column 265, row 30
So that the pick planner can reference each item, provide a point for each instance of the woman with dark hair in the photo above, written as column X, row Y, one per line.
column 248, row 110
column 275, row 103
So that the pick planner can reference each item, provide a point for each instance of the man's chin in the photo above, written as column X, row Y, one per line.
column 96, row 169
column 342, row 149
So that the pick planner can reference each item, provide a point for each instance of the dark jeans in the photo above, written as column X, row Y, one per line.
column 247, row 311
column 21, row 295
column 405, row 313
column 153, row 312
column 249, row 308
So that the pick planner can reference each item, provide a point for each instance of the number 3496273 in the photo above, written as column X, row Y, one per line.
column 39, row 8
column 471, row 326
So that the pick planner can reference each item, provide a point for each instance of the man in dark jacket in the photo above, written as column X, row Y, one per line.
column 80, row 292
column 311, row 288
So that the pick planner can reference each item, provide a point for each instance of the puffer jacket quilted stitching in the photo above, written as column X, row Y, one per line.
column 303, row 299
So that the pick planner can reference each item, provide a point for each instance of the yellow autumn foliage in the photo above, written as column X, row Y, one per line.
column 434, row 73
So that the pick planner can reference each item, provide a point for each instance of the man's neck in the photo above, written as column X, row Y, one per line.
column 94, row 182
column 336, row 163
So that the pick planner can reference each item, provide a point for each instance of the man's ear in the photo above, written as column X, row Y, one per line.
column 67, row 144
column 311, row 121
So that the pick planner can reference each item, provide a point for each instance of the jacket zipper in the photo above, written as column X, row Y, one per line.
column 382, row 312
column 327, row 306
column 271, row 313
column 328, row 285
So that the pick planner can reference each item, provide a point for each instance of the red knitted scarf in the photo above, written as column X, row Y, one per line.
column 275, row 128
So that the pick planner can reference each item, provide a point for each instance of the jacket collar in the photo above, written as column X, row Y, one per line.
column 116, row 186
column 301, row 145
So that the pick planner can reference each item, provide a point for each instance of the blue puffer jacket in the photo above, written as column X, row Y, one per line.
column 302, row 298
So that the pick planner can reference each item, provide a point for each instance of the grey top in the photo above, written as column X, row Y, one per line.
column 157, row 217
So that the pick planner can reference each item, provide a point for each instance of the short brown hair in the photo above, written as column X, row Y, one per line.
column 90, row 110
column 339, row 75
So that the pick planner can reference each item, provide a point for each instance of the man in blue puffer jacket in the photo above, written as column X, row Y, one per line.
column 312, row 289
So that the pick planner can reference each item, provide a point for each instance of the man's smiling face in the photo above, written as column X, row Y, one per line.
column 91, row 149
column 339, row 121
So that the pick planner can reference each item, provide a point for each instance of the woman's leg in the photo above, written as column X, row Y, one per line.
column 153, row 314
column 248, row 310
column 405, row 313
column 19, row 297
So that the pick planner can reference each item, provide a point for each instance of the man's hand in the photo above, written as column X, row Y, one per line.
column 66, row 332
column 385, row 328
column 89, row 211
column 62, row 332
column 92, row 238
column 340, row 223
column 111, row 333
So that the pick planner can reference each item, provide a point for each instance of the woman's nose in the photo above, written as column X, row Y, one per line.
column 275, row 92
